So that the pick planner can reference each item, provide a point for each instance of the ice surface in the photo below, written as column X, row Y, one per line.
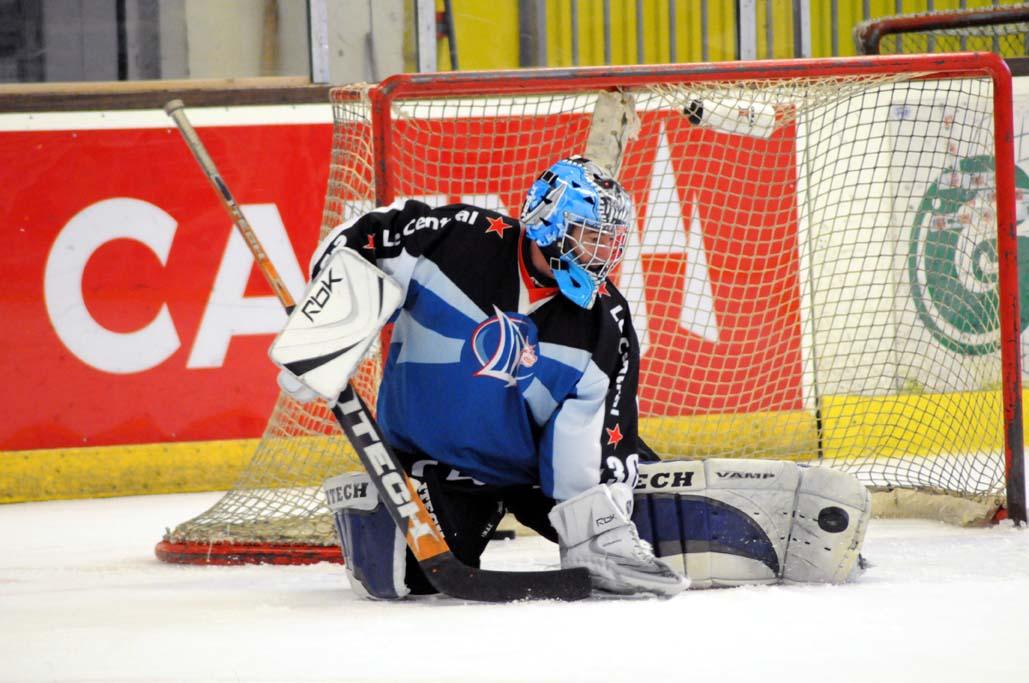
column 82, row 598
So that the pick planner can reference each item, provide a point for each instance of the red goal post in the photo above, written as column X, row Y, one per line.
column 824, row 269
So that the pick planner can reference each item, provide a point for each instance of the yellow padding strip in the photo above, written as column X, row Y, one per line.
column 915, row 424
column 780, row 435
column 106, row 471
column 869, row 426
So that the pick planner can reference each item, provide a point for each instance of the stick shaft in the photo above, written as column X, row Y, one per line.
column 176, row 110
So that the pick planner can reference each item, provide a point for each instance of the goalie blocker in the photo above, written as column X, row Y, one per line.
column 331, row 329
column 728, row 522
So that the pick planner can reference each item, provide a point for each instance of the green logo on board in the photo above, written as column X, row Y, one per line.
column 952, row 258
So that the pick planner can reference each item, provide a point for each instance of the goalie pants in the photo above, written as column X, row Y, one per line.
column 468, row 511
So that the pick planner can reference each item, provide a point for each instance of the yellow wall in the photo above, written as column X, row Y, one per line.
column 487, row 32
column 656, row 49
column 487, row 35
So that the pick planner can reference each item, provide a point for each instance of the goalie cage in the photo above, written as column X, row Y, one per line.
column 1002, row 30
column 839, row 287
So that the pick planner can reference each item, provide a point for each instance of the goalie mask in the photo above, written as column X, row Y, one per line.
column 579, row 215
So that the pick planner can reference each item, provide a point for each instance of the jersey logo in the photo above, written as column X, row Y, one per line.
column 614, row 435
column 498, row 226
column 505, row 348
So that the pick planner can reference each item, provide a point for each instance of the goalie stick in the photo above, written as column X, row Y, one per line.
column 442, row 568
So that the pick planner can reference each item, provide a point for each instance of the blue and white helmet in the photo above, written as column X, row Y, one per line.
column 580, row 216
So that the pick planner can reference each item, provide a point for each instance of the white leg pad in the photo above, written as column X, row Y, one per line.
column 829, row 525
column 725, row 522
column 731, row 522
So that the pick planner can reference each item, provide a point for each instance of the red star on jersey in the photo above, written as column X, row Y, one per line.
column 614, row 435
column 497, row 225
column 371, row 243
column 602, row 289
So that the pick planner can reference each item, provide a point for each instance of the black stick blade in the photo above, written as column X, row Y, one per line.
column 450, row 576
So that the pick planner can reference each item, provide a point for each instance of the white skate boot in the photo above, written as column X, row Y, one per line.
column 595, row 532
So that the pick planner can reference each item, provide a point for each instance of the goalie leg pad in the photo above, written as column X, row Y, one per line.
column 722, row 522
column 829, row 524
column 729, row 522
column 374, row 550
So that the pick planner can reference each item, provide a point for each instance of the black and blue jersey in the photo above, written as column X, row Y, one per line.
column 490, row 369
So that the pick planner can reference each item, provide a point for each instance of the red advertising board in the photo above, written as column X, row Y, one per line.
column 129, row 314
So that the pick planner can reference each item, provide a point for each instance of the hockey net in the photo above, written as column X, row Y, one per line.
column 1001, row 30
column 817, row 272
